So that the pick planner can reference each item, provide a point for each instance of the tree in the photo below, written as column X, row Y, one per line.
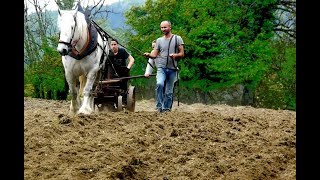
column 42, row 63
column 226, row 42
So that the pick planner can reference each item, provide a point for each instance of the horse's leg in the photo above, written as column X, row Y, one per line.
column 94, row 88
column 73, row 90
column 87, row 106
column 82, row 80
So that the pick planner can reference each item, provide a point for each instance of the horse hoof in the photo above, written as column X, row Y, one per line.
column 84, row 111
column 71, row 114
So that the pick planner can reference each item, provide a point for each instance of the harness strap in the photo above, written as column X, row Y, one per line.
column 89, row 47
column 62, row 42
column 103, row 48
column 105, row 38
column 104, row 54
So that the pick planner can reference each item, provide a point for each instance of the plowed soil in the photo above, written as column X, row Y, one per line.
column 193, row 141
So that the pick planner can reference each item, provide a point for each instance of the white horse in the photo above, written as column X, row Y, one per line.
column 84, row 51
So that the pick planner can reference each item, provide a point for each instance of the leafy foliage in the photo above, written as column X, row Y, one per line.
column 65, row 4
column 46, row 76
column 225, row 42
column 278, row 87
column 43, row 73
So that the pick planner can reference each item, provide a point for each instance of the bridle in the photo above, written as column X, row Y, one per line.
column 69, row 44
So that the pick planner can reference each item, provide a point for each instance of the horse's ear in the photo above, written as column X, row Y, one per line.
column 76, row 8
column 59, row 12
column 80, row 9
column 78, row 5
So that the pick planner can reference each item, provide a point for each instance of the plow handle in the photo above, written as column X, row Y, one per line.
column 131, row 77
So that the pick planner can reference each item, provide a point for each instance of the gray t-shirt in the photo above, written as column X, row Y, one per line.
column 162, row 45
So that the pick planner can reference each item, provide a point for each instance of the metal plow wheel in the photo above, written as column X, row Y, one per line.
column 131, row 99
column 119, row 104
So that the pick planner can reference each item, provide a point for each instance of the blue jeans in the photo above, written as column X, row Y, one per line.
column 165, row 81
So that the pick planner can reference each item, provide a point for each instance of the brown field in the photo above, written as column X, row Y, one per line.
column 194, row 141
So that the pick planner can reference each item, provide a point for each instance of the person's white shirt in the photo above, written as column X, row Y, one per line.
column 149, row 68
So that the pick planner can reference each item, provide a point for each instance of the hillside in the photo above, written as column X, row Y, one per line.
column 116, row 18
column 114, row 14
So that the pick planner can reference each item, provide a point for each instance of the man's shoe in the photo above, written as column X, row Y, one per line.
column 166, row 110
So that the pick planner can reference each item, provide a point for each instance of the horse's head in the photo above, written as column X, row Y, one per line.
column 68, row 25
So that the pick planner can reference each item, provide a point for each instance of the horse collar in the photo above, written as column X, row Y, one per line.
column 84, row 47
column 89, row 46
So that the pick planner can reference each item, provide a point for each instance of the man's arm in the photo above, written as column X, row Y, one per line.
column 152, row 54
column 178, row 55
column 149, row 67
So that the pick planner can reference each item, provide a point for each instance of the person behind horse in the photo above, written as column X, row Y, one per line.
column 151, row 63
column 119, row 58
column 168, row 50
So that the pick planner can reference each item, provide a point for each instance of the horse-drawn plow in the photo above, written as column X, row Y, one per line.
column 113, row 91
column 116, row 93
column 85, row 49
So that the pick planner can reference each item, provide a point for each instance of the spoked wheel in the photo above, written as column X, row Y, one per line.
column 131, row 99
column 119, row 104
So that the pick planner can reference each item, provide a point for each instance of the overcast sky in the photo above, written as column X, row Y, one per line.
column 53, row 6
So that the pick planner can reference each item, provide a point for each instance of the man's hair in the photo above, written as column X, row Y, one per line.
column 167, row 21
column 114, row 40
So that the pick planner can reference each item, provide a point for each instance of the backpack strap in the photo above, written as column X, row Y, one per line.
column 175, row 51
column 169, row 50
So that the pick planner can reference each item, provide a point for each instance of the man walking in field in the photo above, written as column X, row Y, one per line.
column 168, row 50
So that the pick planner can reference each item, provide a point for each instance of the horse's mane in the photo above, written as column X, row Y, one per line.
column 82, row 17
